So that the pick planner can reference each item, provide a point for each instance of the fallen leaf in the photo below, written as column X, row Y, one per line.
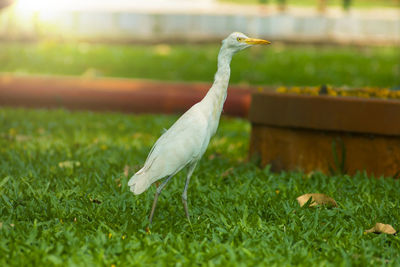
column 69, row 164
column 163, row 49
column 148, row 230
column 118, row 182
column 382, row 228
column 317, row 199
column 95, row 200
column 41, row 130
column 103, row 147
column 126, row 170
column 137, row 135
column 227, row 172
column 213, row 156
column 12, row 132
column 308, row 175
column 22, row 138
column 1, row 225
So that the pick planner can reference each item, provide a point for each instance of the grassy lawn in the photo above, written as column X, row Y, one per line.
column 276, row 64
column 64, row 200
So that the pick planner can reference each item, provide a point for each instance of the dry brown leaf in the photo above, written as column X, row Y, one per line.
column 211, row 157
column 126, row 170
column 382, row 228
column 118, row 182
column 69, row 164
column 317, row 199
column 227, row 172
column 214, row 156
column 22, row 138
column 148, row 230
column 163, row 49
column 95, row 200
column 1, row 225
column 41, row 130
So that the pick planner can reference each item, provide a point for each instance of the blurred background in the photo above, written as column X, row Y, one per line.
column 353, row 43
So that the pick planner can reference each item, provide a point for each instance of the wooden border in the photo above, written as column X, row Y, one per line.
column 344, row 114
column 313, row 150
column 325, row 133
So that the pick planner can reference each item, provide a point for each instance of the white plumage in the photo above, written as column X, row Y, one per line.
column 182, row 144
column 186, row 141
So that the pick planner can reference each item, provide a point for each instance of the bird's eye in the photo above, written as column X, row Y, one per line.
column 239, row 39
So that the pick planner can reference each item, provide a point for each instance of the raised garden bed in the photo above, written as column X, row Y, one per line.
column 326, row 133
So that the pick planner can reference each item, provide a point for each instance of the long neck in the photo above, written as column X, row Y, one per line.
column 218, row 91
column 216, row 96
column 221, row 79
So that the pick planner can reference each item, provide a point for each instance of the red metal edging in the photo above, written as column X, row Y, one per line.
column 109, row 94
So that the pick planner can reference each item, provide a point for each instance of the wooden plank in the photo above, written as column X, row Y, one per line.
column 347, row 114
column 310, row 150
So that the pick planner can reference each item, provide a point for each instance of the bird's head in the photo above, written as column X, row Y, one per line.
column 238, row 41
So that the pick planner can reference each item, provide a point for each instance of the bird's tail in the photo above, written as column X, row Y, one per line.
column 139, row 182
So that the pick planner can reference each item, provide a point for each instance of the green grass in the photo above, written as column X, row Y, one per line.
column 354, row 3
column 83, row 214
column 276, row 64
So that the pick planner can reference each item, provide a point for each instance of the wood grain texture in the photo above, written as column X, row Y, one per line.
column 348, row 114
column 310, row 150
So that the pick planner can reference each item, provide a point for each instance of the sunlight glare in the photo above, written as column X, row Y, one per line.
column 39, row 5
column 47, row 9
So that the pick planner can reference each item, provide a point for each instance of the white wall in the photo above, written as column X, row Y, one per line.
column 140, row 23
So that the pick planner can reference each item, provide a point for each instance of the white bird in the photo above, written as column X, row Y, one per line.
column 186, row 141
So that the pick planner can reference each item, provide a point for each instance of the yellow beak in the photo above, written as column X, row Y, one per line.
column 253, row 41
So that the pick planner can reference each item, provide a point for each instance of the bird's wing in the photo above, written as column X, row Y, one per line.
column 181, row 144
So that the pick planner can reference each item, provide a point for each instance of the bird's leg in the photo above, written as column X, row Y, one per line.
column 184, row 195
column 158, row 192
